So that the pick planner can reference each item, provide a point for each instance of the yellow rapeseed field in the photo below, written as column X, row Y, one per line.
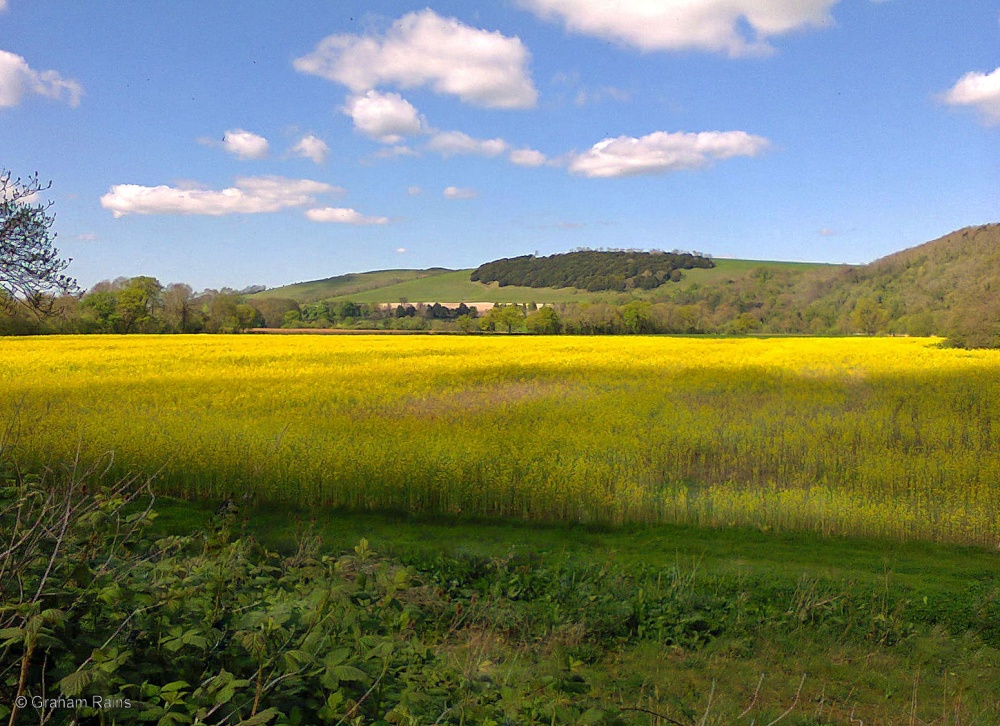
column 864, row 436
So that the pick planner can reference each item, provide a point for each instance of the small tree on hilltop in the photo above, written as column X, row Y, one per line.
column 30, row 267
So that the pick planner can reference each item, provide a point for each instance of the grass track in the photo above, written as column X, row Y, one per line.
column 939, row 599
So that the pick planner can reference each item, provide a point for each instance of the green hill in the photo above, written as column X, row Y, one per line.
column 350, row 285
column 949, row 287
column 439, row 285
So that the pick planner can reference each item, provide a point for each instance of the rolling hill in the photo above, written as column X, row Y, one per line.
column 441, row 285
column 949, row 286
column 351, row 285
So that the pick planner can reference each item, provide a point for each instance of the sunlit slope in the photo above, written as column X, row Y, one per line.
column 887, row 437
column 349, row 286
column 456, row 286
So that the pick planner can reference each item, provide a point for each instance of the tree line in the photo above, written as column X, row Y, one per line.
column 764, row 301
column 592, row 270
column 945, row 287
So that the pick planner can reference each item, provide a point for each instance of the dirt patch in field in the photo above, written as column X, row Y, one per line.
column 481, row 398
column 342, row 331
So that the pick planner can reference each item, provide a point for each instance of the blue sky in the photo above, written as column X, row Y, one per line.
column 236, row 143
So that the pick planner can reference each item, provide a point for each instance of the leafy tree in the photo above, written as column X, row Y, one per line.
column 178, row 308
column 502, row 316
column 30, row 267
column 100, row 306
column 137, row 304
column 637, row 317
column 868, row 316
column 273, row 309
column 544, row 321
column 745, row 323
column 465, row 323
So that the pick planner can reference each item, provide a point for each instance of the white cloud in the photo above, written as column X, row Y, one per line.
column 342, row 215
column 245, row 144
column 250, row 195
column 459, row 193
column 735, row 27
column 311, row 147
column 414, row 191
column 661, row 152
column 87, row 237
column 3, row 5
column 451, row 143
column 385, row 117
column 18, row 79
column 979, row 90
column 391, row 152
column 527, row 157
column 400, row 250
column 422, row 48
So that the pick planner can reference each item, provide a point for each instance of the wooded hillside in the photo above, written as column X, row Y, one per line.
column 592, row 270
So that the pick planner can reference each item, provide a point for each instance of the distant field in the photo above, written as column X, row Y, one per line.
column 867, row 436
column 350, row 285
column 437, row 285
column 726, row 269
column 456, row 287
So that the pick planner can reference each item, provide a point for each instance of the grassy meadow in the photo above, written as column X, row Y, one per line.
column 887, row 437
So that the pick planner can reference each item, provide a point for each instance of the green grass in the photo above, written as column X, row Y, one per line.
column 440, row 285
column 729, row 269
column 456, row 287
column 923, row 568
column 348, row 286
column 825, row 628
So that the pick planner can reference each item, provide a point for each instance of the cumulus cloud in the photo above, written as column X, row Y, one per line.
column 979, row 90
column 459, row 193
column 344, row 215
column 424, row 49
column 385, row 117
column 18, row 79
column 249, row 195
column 392, row 152
column 456, row 143
column 245, row 144
column 414, row 191
column 527, row 157
column 311, row 147
column 734, row 27
column 662, row 152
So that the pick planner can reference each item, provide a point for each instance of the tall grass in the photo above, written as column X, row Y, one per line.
column 872, row 437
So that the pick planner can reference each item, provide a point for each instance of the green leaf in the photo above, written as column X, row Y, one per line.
column 10, row 636
column 173, row 718
column 349, row 673
column 174, row 686
column 297, row 659
column 261, row 718
column 75, row 682
column 336, row 656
